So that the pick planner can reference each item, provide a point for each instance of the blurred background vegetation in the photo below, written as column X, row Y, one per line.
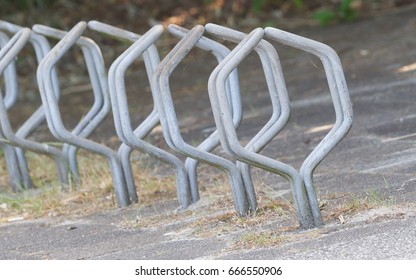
column 139, row 14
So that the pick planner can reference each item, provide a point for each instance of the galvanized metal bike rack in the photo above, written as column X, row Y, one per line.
column 170, row 124
column 218, row 50
column 340, row 98
column 234, row 100
column 18, row 139
column 279, row 100
column 224, row 95
column 10, row 98
column 132, row 139
column 53, row 114
column 229, row 139
column 101, row 104
column 10, row 77
column 41, row 48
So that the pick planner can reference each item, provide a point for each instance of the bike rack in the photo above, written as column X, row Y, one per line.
column 18, row 139
column 170, row 123
column 101, row 105
column 340, row 98
column 133, row 139
column 109, row 91
column 233, row 95
column 10, row 77
column 41, row 48
column 228, row 135
column 10, row 98
column 53, row 114
column 279, row 100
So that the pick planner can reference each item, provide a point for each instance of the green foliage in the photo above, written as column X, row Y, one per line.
column 298, row 3
column 324, row 17
column 257, row 5
column 344, row 12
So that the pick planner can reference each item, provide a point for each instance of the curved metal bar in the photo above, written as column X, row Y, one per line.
column 101, row 105
column 230, row 140
column 54, row 118
column 132, row 139
column 151, row 57
column 23, row 143
column 41, row 47
column 10, row 98
column 233, row 95
column 170, row 124
column 279, row 100
column 117, row 76
column 340, row 97
column 10, row 78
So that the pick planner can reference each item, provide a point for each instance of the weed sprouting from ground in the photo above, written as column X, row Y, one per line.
column 349, row 205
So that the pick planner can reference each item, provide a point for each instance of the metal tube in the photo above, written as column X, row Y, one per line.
column 120, row 105
column 54, row 117
column 279, row 100
column 230, row 139
column 101, row 104
column 41, row 47
column 6, row 127
column 170, row 123
column 233, row 95
column 341, row 101
column 10, row 98
column 130, row 137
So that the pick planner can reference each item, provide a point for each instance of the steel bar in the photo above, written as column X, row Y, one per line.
column 170, row 123
column 54, row 118
column 132, row 139
column 229, row 138
column 41, row 47
column 117, row 86
column 341, row 101
column 101, row 104
column 10, row 98
column 233, row 95
column 10, row 78
column 7, row 130
column 279, row 100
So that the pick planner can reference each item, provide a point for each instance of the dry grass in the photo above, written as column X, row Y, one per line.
column 270, row 238
column 49, row 199
column 336, row 209
column 346, row 206
column 253, row 240
column 94, row 194
column 229, row 221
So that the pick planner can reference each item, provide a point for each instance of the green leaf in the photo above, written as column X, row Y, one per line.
column 257, row 5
